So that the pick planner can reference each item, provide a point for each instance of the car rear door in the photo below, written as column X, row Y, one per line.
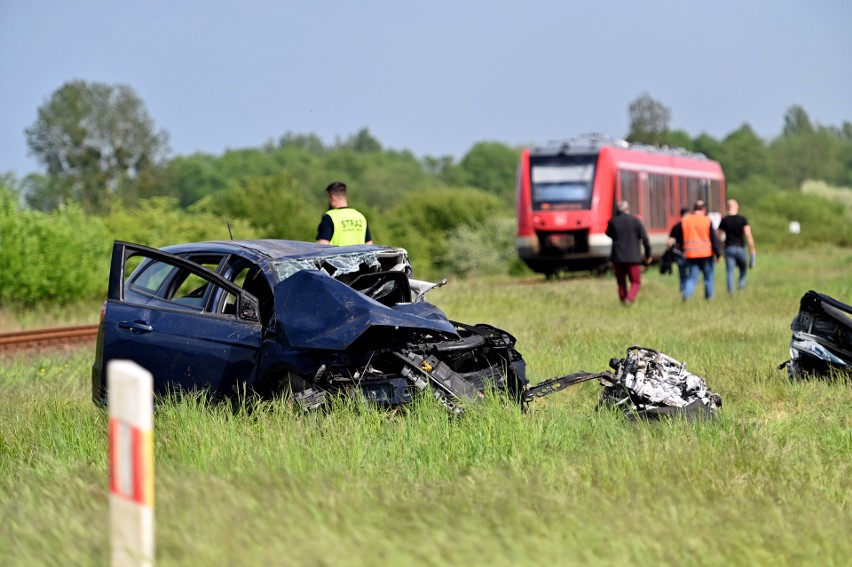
column 178, row 334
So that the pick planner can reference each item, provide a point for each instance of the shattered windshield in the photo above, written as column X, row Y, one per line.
column 343, row 264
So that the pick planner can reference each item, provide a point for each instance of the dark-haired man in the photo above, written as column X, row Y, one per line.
column 627, row 232
column 342, row 225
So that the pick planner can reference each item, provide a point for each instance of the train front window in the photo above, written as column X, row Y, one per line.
column 562, row 182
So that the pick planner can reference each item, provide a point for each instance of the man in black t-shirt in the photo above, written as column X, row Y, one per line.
column 737, row 233
column 675, row 244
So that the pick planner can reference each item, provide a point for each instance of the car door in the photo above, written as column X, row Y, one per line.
column 168, row 316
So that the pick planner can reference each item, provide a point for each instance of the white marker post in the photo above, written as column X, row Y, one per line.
column 131, row 464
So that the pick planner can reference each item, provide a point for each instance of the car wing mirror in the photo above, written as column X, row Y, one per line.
column 248, row 308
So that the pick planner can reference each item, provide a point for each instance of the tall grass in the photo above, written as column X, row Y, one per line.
column 765, row 484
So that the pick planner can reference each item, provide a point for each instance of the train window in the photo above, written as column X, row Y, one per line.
column 562, row 182
column 697, row 190
column 656, row 213
column 715, row 199
column 630, row 189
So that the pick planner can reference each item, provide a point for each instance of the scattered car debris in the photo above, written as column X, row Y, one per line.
column 822, row 338
column 650, row 384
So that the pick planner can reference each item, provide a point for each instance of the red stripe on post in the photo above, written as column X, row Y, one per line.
column 138, row 467
column 113, row 458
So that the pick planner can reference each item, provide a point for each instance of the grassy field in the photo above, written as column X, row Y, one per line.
column 768, row 483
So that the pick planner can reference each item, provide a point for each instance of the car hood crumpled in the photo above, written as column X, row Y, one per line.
column 316, row 311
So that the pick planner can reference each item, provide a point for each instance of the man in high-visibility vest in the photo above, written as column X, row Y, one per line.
column 342, row 225
column 701, row 249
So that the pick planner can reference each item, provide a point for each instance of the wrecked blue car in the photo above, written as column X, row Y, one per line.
column 295, row 319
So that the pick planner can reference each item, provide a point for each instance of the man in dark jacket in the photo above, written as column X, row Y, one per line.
column 627, row 232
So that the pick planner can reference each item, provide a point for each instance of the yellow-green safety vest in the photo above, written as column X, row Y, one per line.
column 350, row 227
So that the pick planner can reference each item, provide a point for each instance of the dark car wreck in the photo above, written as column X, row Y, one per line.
column 273, row 317
column 312, row 322
column 822, row 337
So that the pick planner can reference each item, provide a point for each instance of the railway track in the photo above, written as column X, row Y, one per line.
column 57, row 338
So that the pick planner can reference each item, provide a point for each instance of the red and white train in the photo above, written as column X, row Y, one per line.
column 567, row 191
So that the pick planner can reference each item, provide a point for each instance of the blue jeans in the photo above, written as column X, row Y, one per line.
column 682, row 273
column 735, row 258
column 698, row 266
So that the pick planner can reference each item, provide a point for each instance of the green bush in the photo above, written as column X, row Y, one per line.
column 840, row 195
column 821, row 221
column 486, row 248
column 276, row 206
column 749, row 193
column 60, row 257
column 424, row 220
column 159, row 222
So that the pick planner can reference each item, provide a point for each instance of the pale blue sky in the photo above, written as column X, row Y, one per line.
column 432, row 77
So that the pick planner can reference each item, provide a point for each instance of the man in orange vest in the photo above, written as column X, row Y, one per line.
column 701, row 250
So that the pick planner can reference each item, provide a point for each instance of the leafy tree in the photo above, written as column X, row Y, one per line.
column 492, row 167
column 749, row 192
column 708, row 145
column 438, row 166
column 809, row 151
column 362, row 142
column 310, row 142
column 193, row 177
column 275, row 207
column 797, row 122
column 423, row 221
column 95, row 140
column 743, row 154
column 649, row 120
column 42, row 192
column 387, row 178
column 678, row 139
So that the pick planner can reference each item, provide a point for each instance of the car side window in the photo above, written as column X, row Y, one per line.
column 231, row 301
column 192, row 289
column 251, row 279
column 176, row 285
column 152, row 276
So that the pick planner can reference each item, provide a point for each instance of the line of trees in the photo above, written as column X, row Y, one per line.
column 804, row 150
column 108, row 175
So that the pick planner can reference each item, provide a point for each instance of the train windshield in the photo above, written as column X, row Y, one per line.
column 562, row 182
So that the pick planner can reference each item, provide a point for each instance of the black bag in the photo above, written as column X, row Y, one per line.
column 670, row 257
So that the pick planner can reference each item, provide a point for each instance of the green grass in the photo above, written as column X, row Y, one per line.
column 765, row 484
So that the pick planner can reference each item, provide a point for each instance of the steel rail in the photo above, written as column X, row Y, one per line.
column 57, row 336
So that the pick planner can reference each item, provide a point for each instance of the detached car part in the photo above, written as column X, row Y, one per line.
column 822, row 338
column 650, row 384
